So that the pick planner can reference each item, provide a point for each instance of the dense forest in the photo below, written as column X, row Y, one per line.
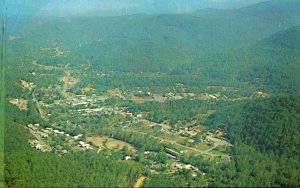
column 268, row 125
column 218, row 88
column 264, row 130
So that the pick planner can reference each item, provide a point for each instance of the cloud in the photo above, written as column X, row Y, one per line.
column 104, row 7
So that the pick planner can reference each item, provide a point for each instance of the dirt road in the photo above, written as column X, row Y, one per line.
column 139, row 182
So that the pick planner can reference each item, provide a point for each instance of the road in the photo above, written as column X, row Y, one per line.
column 68, row 82
column 49, row 67
column 40, row 140
column 41, row 111
column 139, row 182
column 65, row 80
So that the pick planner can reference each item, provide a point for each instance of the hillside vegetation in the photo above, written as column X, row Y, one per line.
column 269, row 125
column 264, row 131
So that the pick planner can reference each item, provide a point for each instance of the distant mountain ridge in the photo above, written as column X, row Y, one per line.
column 219, row 44
column 205, row 28
column 289, row 38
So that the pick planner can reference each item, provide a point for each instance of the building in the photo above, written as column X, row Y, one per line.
column 172, row 152
column 157, row 127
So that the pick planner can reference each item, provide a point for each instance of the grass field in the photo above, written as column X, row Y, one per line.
column 113, row 92
column 216, row 152
column 137, row 99
column 110, row 143
column 202, row 146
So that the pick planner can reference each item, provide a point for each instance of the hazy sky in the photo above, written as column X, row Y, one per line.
column 116, row 7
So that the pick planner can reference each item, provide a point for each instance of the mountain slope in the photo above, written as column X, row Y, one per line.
column 288, row 39
column 271, row 124
column 204, row 29
column 220, row 45
column 273, row 63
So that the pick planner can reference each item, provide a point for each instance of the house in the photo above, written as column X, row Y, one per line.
column 195, row 168
column 39, row 147
column 44, row 135
column 188, row 166
column 185, row 134
column 49, row 129
column 213, row 97
column 58, row 147
column 190, row 141
column 129, row 113
column 209, row 134
column 33, row 142
column 84, row 145
column 81, row 143
column 46, row 131
column 177, row 165
column 32, row 127
column 171, row 156
column 172, row 152
column 157, row 127
column 170, row 95
column 77, row 137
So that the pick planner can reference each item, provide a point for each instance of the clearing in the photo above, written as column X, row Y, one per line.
column 20, row 103
column 110, row 143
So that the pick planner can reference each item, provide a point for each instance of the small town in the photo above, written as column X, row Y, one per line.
column 191, row 138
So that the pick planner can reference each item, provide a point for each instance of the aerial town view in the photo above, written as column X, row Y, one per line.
column 153, row 93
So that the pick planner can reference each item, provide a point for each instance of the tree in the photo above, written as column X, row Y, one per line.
column 198, row 138
column 162, row 157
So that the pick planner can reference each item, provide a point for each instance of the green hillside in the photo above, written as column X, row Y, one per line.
column 274, row 62
column 266, row 124
column 264, row 131
column 286, row 39
column 220, row 46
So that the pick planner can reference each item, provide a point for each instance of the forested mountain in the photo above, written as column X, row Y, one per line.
column 220, row 45
column 226, row 47
column 266, row 124
column 206, row 28
column 271, row 128
column 273, row 62
column 286, row 39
